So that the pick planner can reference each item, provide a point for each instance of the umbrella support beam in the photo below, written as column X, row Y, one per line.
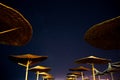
column 43, row 78
column 93, row 73
column 27, row 66
column 37, row 77
column 6, row 31
column 76, row 77
column 112, row 75
column 82, row 76
column 99, row 77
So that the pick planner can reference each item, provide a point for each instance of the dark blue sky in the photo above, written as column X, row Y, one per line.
column 58, row 30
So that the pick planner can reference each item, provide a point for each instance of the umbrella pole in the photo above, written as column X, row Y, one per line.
column 37, row 78
column 43, row 77
column 82, row 75
column 112, row 75
column 27, row 66
column 93, row 73
column 99, row 77
column 76, row 77
column 73, row 78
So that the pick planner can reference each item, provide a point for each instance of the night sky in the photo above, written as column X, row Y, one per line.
column 58, row 32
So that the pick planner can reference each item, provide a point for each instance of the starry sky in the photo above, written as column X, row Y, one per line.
column 58, row 32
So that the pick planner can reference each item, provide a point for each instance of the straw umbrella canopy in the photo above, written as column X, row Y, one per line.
column 48, row 77
column 14, row 27
column 75, row 73
column 81, row 68
column 105, row 35
column 115, row 63
column 39, row 69
column 92, row 60
column 27, row 60
column 43, row 73
column 69, row 78
column 72, row 76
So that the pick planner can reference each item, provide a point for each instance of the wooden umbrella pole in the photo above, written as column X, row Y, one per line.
column 37, row 77
column 75, row 77
column 27, row 66
column 43, row 77
column 112, row 75
column 93, row 73
column 82, row 76
column 98, row 77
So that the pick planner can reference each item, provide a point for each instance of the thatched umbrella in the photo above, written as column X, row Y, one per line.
column 110, row 70
column 81, row 69
column 48, row 77
column 14, row 27
column 93, row 60
column 73, row 75
column 77, row 74
column 105, row 35
column 27, row 60
column 39, row 69
column 116, row 64
column 44, row 73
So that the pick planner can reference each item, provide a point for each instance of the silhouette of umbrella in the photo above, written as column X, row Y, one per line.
column 75, row 73
column 43, row 73
column 81, row 68
column 105, row 35
column 48, row 77
column 39, row 69
column 110, row 70
column 92, row 60
column 116, row 64
column 14, row 28
column 72, row 75
column 27, row 60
